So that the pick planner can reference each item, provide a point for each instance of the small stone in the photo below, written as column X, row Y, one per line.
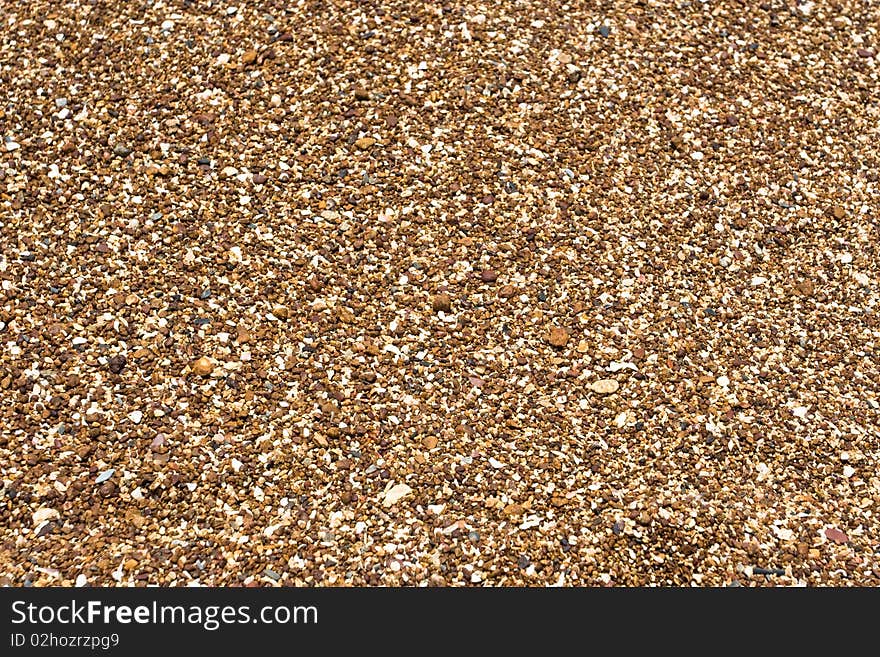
column 130, row 564
column 558, row 337
column 280, row 311
column 81, row 581
column 834, row 534
column 203, row 366
column 513, row 510
column 121, row 151
column 136, row 416
column 507, row 291
column 441, row 302
column 104, row 476
column 805, row 288
column 43, row 528
column 395, row 494
column 604, row 386
column 361, row 94
column 838, row 212
column 242, row 335
column 117, row 364
column 249, row 57
column 488, row 275
column 864, row 52
column 259, row 178
column 135, row 518
column 44, row 514
column 604, row 30
column 429, row 442
column 364, row 142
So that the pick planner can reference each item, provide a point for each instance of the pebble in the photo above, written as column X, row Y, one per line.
column 488, row 275
column 834, row 534
column 441, row 303
column 136, row 416
column 507, row 291
column 44, row 514
column 429, row 442
column 395, row 494
column 249, row 57
column 558, row 337
column 513, row 510
column 121, row 151
column 604, row 386
column 203, row 366
column 104, row 476
column 117, row 364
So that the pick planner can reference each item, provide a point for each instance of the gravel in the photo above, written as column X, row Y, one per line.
column 313, row 296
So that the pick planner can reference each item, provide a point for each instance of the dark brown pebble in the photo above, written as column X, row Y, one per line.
column 117, row 364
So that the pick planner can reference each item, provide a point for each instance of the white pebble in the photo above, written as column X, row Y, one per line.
column 395, row 494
